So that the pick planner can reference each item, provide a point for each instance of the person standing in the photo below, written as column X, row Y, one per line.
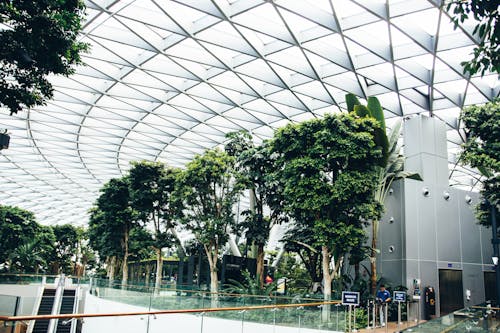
column 383, row 298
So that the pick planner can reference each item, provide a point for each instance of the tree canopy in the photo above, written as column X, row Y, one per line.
column 209, row 191
column 111, row 222
column 17, row 226
column 255, row 165
column 482, row 151
column 41, row 38
column 329, row 170
column 152, row 194
column 486, row 56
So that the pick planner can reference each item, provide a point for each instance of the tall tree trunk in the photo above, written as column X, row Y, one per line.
column 373, row 258
column 260, row 265
column 214, row 281
column 148, row 274
column 327, row 282
column 159, row 270
column 125, row 259
column 111, row 270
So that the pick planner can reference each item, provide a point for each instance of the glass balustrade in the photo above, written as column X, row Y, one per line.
column 198, row 310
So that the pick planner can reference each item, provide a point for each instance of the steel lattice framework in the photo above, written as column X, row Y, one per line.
column 167, row 79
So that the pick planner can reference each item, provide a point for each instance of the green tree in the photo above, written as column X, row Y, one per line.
column 118, row 218
column 482, row 151
column 152, row 192
column 45, row 241
column 104, row 240
column 67, row 247
column 486, row 55
column 298, row 280
column 40, row 38
column 209, row 191
column 26, row 258
column 390, row 170
column 298, row 239
column 17, row 227
column 256, row 165
column 141, row 244
column 329, row 170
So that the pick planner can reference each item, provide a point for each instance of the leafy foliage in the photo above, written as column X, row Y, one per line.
column 152, row 188
column 17, row 227
column 485, row 12
column 26, row 258
column 67, row 247
column 482, row 151
column 41, row 39
column 28, row 247
column 256, row 172
column 250, row 286
column 482, row 126
column 325, row 165
column 297, row 240
column 298, row 280
column 208, row 191
column 112, row 221
column 329, row 170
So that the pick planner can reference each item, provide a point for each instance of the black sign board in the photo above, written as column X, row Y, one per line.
column 350, row 298
column 400, row 296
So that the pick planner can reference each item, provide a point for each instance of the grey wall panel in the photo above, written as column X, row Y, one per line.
column 429, row 170
column 442, row 172
column 474, row 281
column 486, row 246
column 426, row 134
column 393, row 271
column 471, row 249
column 440, row 142
column 414, row 163
column 411, row 217
column 411, row 133
column 427, row 226
column 412, row 271
column 390, row 229
column 447, row 227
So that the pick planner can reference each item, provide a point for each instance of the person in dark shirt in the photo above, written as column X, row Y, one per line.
column 383, row 297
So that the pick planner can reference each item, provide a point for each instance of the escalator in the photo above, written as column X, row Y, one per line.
column 67, row 307
column 45, row 308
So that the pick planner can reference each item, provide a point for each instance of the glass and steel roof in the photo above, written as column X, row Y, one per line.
column 165, row 80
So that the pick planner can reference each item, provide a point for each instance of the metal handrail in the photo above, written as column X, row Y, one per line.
column 485, row 307
column 159, row 312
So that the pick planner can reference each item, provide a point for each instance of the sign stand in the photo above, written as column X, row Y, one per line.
column 407, row 313
column 400, row 297
column 354, row 315
column 350, row 309
column 351, row 299
column 386, row 319
column 374, row 315
column 399, row 315
column 368, row 314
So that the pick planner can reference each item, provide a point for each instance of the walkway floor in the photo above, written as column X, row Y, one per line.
column 393, row 327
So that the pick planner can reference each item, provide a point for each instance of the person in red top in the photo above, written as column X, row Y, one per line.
column 268, row 279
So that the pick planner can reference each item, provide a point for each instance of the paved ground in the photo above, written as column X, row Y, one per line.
column 393, row 327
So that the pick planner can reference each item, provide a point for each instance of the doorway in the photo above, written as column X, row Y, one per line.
column 490, row 289
column 451, row 294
